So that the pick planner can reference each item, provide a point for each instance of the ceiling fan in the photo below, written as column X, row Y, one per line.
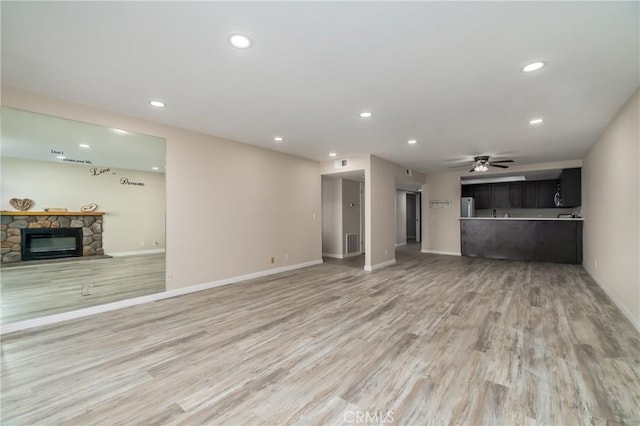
column 481, row 163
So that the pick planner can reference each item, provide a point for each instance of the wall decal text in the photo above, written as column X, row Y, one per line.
column 126, row 181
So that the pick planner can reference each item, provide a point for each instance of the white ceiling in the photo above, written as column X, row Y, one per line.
column 447, row 74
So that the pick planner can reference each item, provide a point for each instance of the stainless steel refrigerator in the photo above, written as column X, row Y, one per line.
column 467, row 207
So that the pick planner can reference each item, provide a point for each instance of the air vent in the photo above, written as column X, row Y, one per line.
column 341, row 163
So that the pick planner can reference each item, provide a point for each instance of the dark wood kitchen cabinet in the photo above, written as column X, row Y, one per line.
column 571, row 187
column 529, row 195
column 515, row 195
column 468, row 191
column 500, row 196
column 482, row 194
column 545, row 191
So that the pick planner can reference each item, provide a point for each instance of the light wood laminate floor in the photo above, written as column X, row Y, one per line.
column 38, row 290
column 430, row 340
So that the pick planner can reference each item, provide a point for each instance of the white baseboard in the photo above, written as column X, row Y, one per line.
column 340, row 256
column 616, row 301
column 333, row 256
column 136, row 252
column 85, row 312
column 447, row 253
column 400, row 244
column 379, row 265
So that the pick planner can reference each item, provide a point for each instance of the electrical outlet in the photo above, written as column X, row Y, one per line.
column 386, row 252
column 169, row 276
column 595, row 263
column 286, row 256
column 141, row 243
column 85, row 289
column 273, row 260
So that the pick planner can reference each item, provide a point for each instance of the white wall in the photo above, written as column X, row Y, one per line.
column 610, row 205
column 135, row 215
column 230, row 206
column 441, row 226
column 401, row 217
column 331, row 216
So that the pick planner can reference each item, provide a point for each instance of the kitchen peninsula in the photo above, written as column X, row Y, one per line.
column 557, row 240
column 546, row 225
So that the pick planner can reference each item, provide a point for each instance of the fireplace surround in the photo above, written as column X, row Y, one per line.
column 89, row 225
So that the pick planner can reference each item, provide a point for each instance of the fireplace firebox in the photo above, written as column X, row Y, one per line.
column 41, row 243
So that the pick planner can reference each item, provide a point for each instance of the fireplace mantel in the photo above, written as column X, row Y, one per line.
column 8, row 213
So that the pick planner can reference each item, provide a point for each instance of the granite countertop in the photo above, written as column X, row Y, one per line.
column 521, row 218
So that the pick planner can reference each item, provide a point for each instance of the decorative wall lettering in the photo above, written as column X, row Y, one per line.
column 56, row 152
column 126, row 181
column 97, row 171
column 71, row 160
column 439, row 204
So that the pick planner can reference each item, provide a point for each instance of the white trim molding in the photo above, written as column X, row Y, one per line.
column 447, row 253
column 85, row 312
column 379, row 265
column 333, row 256
column 341, row 256
column 135, row 252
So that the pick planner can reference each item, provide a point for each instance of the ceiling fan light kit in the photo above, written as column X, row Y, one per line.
column 481, row 163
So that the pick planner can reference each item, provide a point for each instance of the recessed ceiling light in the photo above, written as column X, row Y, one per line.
column 534, row 66
column 278, row 139
column 365, row 114
column 536, row 121
column 240, row 41
column 119, row 131
column 61, row 157
column 412, row 141
column 155, row 168
column 332, row 154
column 84, row 145
column 157, row 104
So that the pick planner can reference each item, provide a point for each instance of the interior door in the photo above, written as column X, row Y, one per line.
column 418, row 216
column 411, row 216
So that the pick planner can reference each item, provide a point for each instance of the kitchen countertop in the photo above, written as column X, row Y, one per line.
column 521, row 218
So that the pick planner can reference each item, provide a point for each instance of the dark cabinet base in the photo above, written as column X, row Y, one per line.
column 558, row 241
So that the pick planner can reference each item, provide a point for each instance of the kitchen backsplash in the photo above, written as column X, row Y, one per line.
column 529, row 213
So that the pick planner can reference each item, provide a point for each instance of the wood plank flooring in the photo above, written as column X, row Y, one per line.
column 46, row 289
column 430, row 340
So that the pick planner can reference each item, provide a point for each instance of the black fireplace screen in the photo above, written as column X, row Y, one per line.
column 41, row 243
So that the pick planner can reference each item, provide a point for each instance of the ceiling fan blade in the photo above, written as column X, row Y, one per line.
column 472, row 170
column 498, row 165
column 502, row 161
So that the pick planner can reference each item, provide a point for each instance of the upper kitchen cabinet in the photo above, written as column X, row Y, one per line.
column 529, row 194
column 516, row 195
column 545, row 191
column 500, row 196
column 468, row 191
column 482, row 194
column 571, row 187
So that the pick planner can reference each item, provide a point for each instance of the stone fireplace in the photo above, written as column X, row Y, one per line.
column 13, row 223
